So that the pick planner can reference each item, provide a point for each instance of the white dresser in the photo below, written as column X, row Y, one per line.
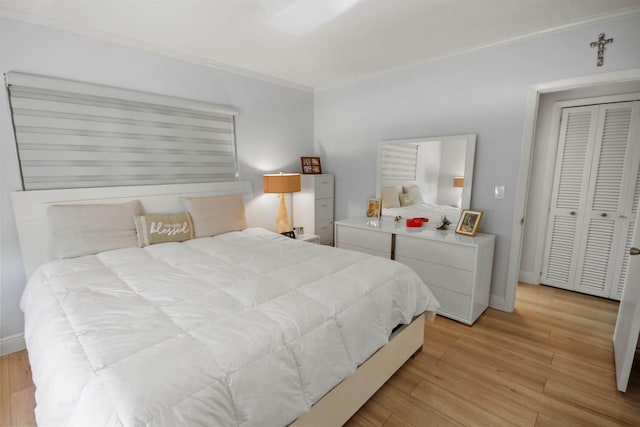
column 456, row 268
column 313, row 206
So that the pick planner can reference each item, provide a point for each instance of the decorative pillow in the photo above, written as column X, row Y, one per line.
column 390, row 197
column 159, row 228
column 89, row 229
column 217, row 214
column 406, row 199
column 414, row 192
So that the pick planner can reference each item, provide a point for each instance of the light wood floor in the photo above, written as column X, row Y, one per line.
column 549, row 363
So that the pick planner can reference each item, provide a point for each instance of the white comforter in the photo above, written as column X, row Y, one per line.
column 246, row 328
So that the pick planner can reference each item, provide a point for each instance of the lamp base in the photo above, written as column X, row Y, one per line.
column 282, row 217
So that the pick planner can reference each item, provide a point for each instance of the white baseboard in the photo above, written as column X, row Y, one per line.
column 529, row 277
column 11, row 344
column 498, row 303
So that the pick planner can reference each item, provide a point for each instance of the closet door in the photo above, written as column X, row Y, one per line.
column 631, row 200
column 575, row 154
column 607, row 214
column 594, row 199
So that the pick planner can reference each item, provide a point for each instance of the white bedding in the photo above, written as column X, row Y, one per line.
column 425, row 210
column 245, row 328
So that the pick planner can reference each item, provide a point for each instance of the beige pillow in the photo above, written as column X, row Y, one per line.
column 406, row 199
column 159, row 228
column 414, row 192
column 217, row 214
column 89, row 229
column 390, row 197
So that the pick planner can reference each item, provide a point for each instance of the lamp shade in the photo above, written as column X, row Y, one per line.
column 281, row 182
column 458, row 181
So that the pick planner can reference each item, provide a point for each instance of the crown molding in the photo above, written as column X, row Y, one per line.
column 55, row 24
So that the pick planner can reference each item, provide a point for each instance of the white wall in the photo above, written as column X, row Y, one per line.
column 452, row 164
column 482, row 92
column 428, row 170
column 274, row 126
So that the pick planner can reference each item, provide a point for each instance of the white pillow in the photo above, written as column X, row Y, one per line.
column 390, row 197
column 406, row 199
column 414, row 192
column 217, row 214
column 89, row 229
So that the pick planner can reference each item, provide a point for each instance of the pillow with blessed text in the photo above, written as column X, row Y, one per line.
column 162, row 228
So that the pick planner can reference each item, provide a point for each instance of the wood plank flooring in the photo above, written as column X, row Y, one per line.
column 549, row 363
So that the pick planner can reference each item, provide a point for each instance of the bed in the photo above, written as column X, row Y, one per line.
column 243, row 328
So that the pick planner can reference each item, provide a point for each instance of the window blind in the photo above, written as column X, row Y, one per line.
column 399, row 162
column 72, row 134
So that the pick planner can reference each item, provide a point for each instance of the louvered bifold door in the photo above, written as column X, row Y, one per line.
column 630, row 198
column 605, row 217
column 575, row 153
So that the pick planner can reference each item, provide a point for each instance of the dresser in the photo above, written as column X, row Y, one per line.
column 313, row 206
column 456, row 268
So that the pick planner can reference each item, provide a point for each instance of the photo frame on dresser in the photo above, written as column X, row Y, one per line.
column 469, row 222
column 374, row 206
column 311, row 165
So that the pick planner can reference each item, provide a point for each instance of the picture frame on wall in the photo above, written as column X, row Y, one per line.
column 469, row 222
column 311, row 165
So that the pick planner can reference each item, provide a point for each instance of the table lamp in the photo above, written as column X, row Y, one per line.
column 282, row 183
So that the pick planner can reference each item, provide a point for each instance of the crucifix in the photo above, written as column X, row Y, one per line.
column 601, row 43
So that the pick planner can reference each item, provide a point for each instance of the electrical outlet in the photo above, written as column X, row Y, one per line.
column 498, row 192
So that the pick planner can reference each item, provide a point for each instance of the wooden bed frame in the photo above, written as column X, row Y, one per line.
column 338, row 405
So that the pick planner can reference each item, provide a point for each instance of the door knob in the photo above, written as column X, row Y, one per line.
column 603, row 214
column 634, row 251
column 572, row 213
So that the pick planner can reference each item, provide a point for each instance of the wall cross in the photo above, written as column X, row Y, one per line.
column 601, row 43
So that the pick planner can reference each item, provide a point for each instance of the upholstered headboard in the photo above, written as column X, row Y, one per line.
column 30, row 208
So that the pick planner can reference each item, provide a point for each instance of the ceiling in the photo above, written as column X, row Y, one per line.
column 314, row 44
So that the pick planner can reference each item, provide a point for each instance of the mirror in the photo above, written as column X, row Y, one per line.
column 440, row 167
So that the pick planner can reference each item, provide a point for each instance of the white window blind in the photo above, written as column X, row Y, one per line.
column 72, row 134
column 399, row 162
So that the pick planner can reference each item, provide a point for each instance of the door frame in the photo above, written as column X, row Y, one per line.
column 526, row 155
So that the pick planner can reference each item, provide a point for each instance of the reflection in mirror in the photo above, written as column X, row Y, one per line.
column 426, row 177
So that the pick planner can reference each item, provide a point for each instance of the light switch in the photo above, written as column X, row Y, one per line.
column 498, row 192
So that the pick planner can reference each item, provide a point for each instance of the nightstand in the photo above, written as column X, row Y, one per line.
column 311, row 238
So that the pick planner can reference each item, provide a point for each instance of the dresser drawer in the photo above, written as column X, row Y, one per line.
column 323, row 209
column 368, row 239
column 324, row 229
column 365, row 250
column 442, row 276
column 324, row 187
column 457, row 256
column 456, row 306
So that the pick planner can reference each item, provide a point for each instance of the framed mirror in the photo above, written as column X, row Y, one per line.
column 426, row 177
